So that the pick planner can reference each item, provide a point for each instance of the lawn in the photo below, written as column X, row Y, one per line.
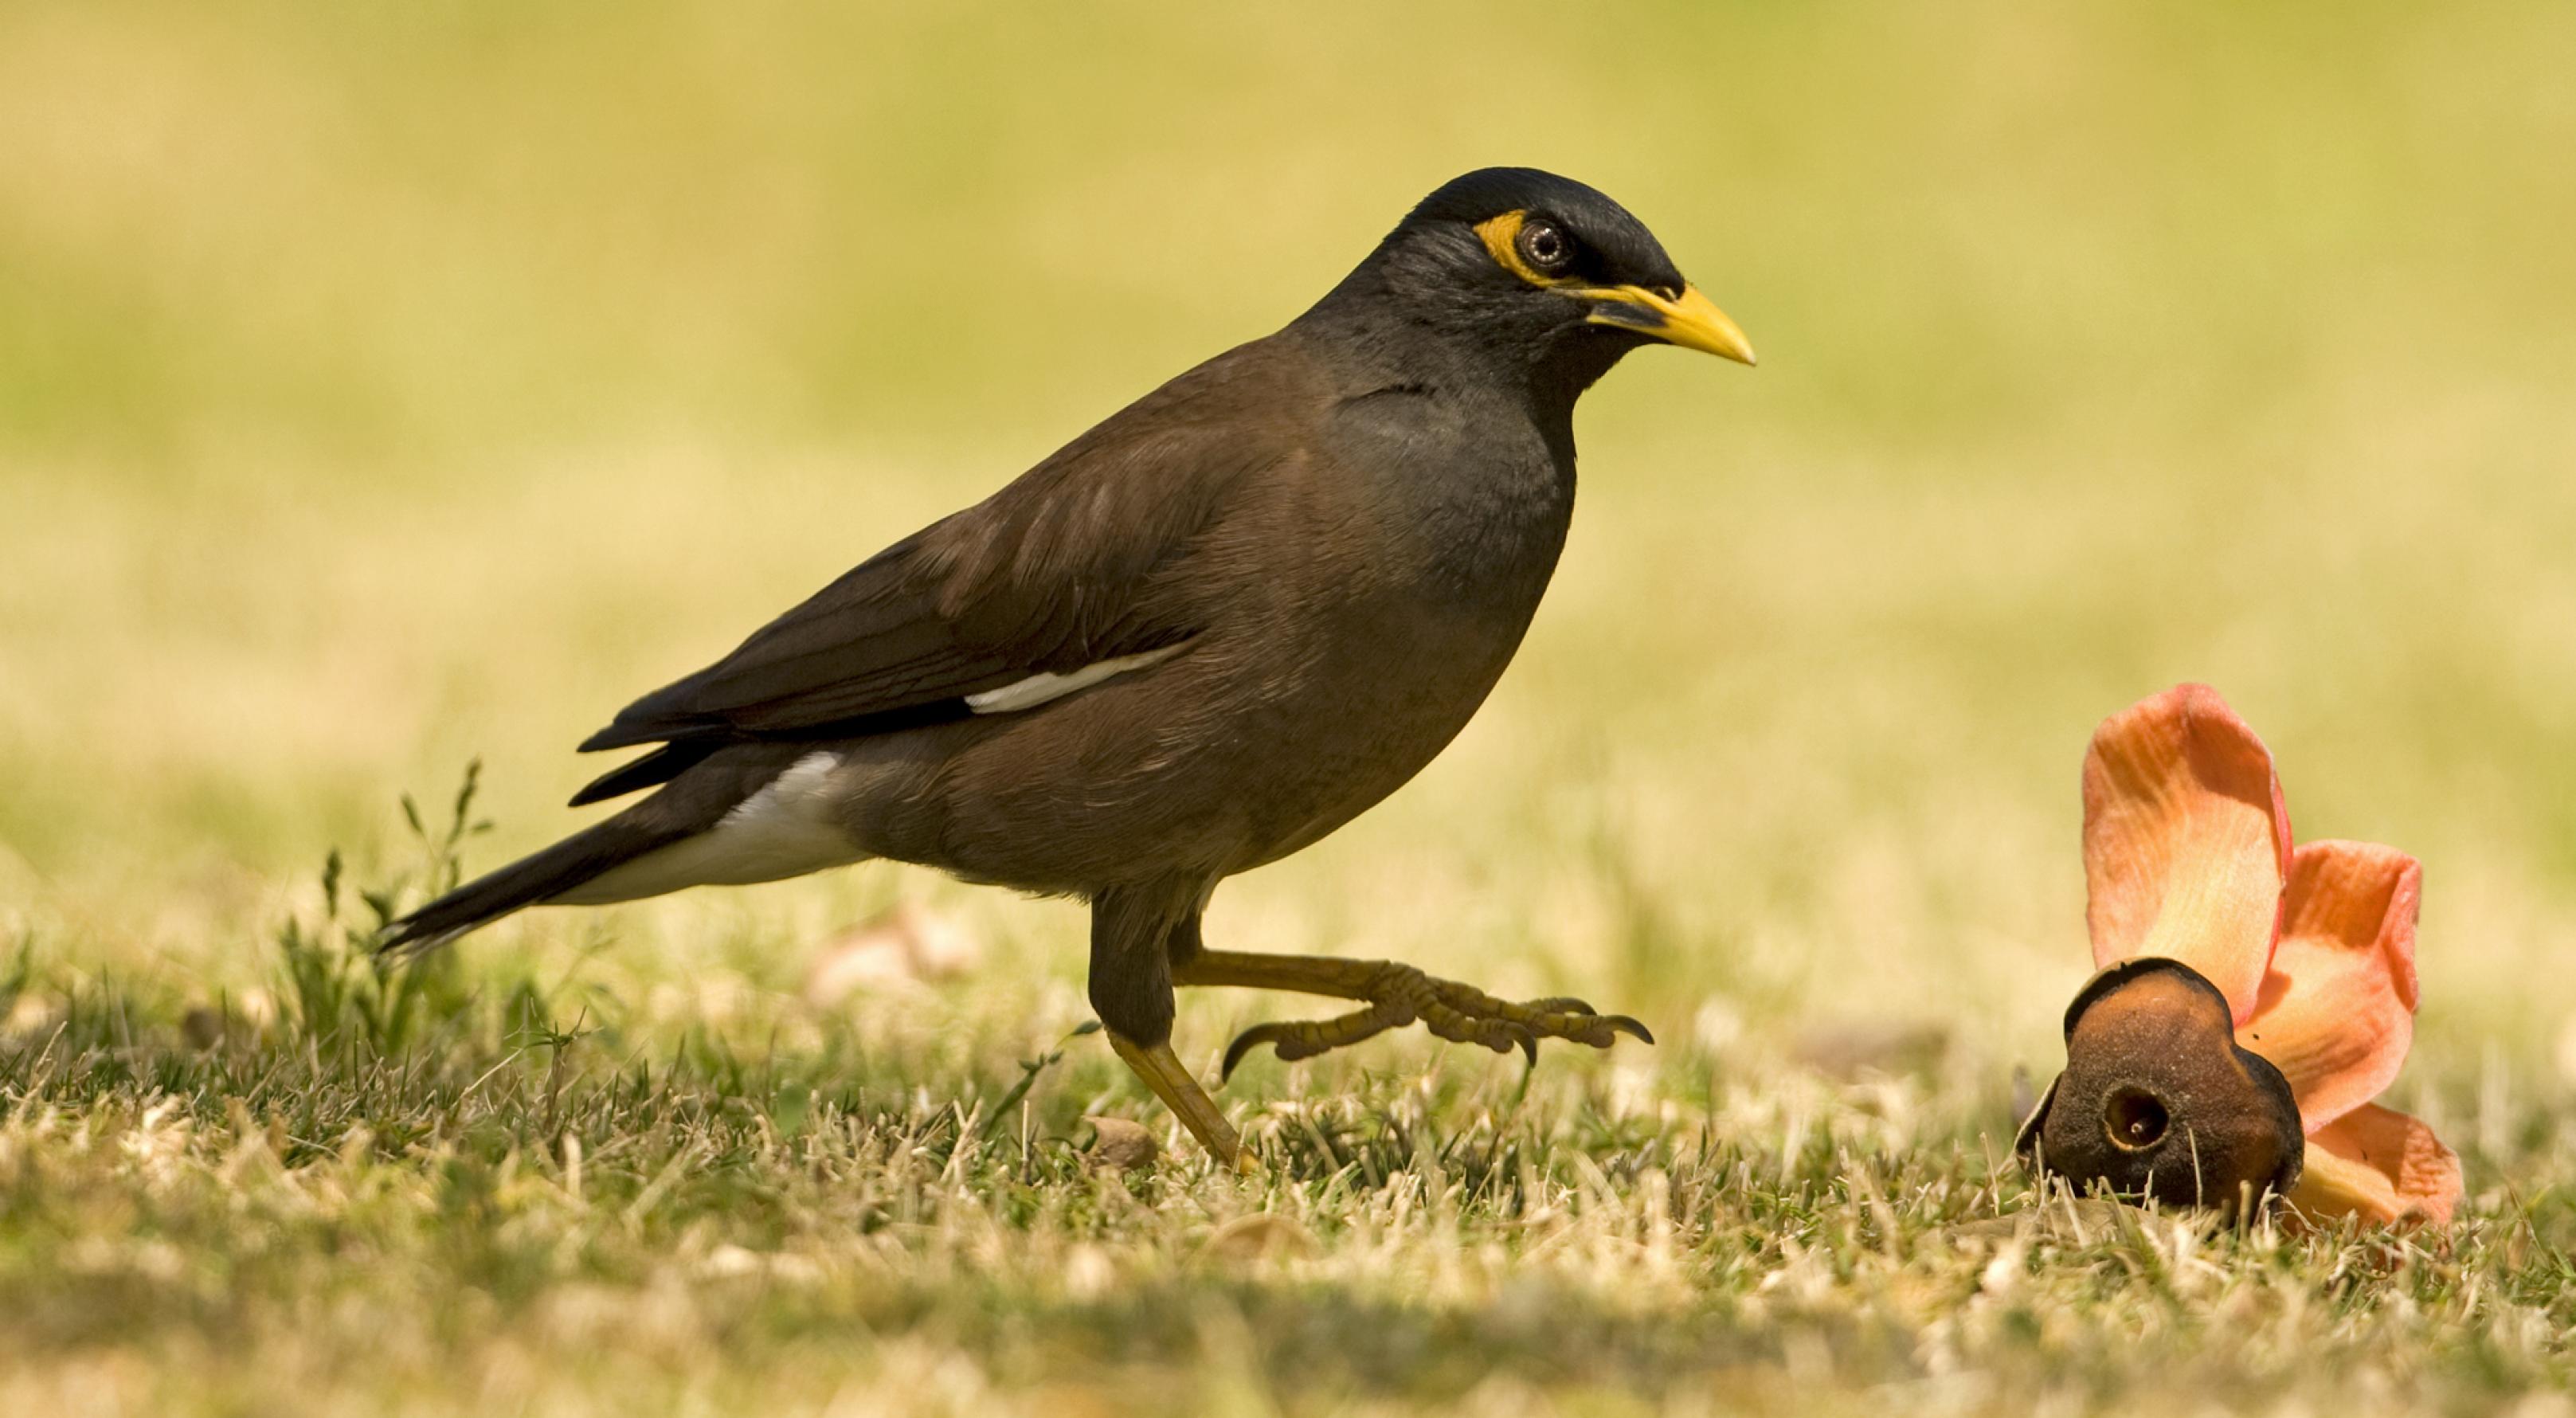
column 383, row 392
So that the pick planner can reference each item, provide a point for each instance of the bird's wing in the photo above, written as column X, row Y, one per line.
column 1065, row 569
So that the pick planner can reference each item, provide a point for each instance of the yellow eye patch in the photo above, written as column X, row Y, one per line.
column 1684, row 317
column 1502, row 238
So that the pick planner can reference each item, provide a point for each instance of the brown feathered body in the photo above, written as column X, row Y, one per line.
column 1207, row 632
column 1333, row 631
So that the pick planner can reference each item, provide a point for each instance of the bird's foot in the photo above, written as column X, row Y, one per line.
column 1170, row 1080
column 1399, row 995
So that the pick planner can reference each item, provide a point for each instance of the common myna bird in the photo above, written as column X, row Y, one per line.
column 1198, row 638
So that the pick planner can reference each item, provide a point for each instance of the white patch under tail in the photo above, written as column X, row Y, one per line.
column 1038, row 689
column 784, row 830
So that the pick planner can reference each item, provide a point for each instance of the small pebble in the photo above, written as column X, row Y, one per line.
column 1121, row 1144
column 203, row 1028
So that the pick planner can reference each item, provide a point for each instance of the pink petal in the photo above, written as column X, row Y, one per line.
column 2337, row 1010
column 2186, row 841
column 2381, row 1166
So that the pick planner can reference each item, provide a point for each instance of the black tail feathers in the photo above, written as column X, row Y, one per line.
column 540, row 876
column 660, row 766
column 699, row 786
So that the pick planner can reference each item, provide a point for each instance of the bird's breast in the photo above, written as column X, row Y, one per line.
column 1420, row 591
column 1467, row 501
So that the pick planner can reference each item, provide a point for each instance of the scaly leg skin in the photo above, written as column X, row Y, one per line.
column 1171, row 1081
column 1131, row 988
column 1397, row 995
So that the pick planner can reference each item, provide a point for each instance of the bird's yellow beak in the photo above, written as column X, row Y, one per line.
column 1690, row 320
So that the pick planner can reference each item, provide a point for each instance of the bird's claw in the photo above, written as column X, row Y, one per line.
column 1399, row 995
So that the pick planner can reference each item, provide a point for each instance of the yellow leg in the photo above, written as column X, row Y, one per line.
column 1163, row 1072
column 1397, row 995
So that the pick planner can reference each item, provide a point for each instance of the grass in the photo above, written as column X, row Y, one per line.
column 433, row 1192
column 380, row 392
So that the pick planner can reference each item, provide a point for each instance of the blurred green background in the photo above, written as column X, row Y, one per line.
column 386, row 386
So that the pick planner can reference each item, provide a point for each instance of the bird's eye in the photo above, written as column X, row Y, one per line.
column 1545, row 248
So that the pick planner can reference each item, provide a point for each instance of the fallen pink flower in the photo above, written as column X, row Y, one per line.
column 2253, row 998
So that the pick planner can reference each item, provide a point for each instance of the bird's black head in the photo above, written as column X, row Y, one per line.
column 1534, row 275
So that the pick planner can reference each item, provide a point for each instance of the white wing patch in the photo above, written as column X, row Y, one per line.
column 1038, row 689
column 783, row 830
column 786, row 828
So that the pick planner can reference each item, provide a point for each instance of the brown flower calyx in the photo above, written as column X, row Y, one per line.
column 2158, row 1101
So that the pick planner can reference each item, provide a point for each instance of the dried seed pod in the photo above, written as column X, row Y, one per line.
column 2158, row 1101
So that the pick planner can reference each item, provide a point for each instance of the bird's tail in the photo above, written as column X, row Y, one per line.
column 538, row 877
